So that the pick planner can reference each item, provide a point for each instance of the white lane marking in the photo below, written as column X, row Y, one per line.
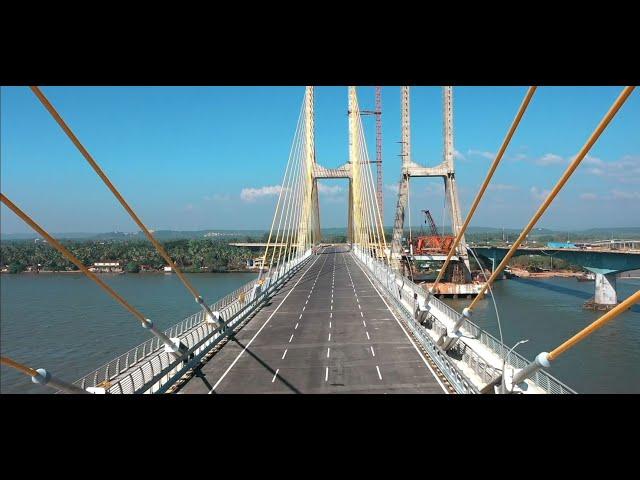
column 329, row 324
column 329, row 338
column 361, row 314
column 328, row 350
column 303, row 308
column 372, row 352
column 326, row 374
column 300, row 317
column 306, row 301
column 291, row 338
column 359, row 306
column 274, row 376
column 284, row 354
column 331, row 315
column 368, row 337
column 379, row 374
column 332, row 300
column 296, row 327
column 405, row 332
column 263, row 325
column 364, row 323
column 331, row 307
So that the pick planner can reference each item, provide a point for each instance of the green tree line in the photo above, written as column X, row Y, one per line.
column 191, row 255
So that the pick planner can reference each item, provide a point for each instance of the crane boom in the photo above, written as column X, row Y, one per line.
column 432, row 224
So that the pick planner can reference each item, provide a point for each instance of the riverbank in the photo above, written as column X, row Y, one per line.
column 521, row 272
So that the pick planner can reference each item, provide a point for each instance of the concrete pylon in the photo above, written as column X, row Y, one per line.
column 606, row 294
column 446, row 170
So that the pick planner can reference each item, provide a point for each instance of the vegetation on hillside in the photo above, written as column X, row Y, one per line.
column 190, row 255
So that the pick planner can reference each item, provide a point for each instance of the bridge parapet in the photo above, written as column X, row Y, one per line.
column 147, row 368
column 476, row 360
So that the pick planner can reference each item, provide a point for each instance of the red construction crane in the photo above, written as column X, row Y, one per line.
column 432, row 224
column 434, row 243
column 378, row 114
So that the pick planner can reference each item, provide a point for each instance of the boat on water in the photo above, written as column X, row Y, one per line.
column 588, row 277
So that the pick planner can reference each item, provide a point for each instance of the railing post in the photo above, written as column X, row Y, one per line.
column 45, row 378
column 510, row 380
column 172, row 346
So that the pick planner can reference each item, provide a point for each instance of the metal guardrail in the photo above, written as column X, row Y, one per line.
column 148, row 369
column 406, row 293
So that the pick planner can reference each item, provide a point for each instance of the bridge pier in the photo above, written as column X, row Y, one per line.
column 606, row 294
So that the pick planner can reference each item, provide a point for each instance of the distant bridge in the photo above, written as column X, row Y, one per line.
column 605, row 263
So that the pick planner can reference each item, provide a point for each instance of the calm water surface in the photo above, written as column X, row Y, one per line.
column 68, row 325
column 549, row 311
column 64, row 323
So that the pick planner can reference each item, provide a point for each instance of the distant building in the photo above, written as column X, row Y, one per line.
column 105, row 267
column 255, row 262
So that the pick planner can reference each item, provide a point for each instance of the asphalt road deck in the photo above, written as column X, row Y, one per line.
column 326, row 331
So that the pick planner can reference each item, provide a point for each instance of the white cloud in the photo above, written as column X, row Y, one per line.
column 324, row 189
column 252, row 194
column 217, row 197
column 626, row 170
column 589, row 160
column 620, row 195
column 550, row 159
column 538, row 194
column 497, row 187
column 480, row 153
column 588, row 196
column 393, row 188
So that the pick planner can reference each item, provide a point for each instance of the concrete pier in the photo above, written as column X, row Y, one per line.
column 606, row 289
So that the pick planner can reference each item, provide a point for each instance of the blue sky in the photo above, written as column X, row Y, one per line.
column 182, row 156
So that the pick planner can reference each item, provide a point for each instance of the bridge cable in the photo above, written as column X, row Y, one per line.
column 485, row 184
column 283, row 197
column 18, row 366
column 146, row 323
column 604, row 319
column 556, row 189
column 280, row 194
column 42, row 377
column 367, row 217
column 51, row 109
column 544, row 359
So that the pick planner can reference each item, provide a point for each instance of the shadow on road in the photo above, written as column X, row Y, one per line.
column 261, row 362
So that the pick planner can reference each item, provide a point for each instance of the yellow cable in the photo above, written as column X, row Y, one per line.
column 18, row 366
column 51, row 109
column 584, row 333
column 565, row 177
column 479, row 195
column 69, row 256
column 73, row 259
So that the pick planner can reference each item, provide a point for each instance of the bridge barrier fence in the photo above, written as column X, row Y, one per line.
column 407, row 295
column 147, row 368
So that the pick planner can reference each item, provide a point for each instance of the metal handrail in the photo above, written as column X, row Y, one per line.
column 471, row 358
column 138, row 356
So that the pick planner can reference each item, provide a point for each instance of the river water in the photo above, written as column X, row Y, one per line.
column 65, row 323
column 549, row 311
